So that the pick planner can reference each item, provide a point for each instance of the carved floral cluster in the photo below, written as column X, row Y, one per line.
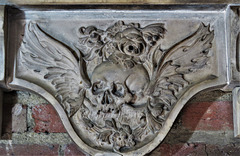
column 128, row 39
column 90, row 37
column 121, row 136
column 118, row 135
column 121, row 139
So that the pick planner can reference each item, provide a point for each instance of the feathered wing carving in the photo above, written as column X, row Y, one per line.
column 57, row 63
column 168, row 81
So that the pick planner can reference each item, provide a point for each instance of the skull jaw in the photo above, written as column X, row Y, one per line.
column 116, row 100
column 127, row 115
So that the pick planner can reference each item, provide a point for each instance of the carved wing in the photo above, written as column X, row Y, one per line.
column 168, row 81
column 55, row 62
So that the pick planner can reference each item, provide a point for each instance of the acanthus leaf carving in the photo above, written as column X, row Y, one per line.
column 42, row 53
column 121, row 88
column 168, row 81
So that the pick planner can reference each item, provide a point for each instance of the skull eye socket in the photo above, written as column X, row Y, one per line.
column 118, row 90
column 97, row 88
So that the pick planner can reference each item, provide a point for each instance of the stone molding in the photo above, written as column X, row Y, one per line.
column 130, row 2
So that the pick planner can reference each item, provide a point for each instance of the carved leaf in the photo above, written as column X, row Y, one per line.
column 46, row 56
column 168, row 78
column 111, row 123
column 105, row 136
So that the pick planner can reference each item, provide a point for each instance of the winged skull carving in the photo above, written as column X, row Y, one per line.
column 119, row 91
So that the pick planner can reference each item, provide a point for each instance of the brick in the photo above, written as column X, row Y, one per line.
column 73, row 150
column 223, row 150
column 179, row 150
column 208, row 116
column 46, row 119
column 195, row 149
column 17, row 149
column 19, row 118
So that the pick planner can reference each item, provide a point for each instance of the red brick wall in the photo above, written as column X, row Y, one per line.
column 204, row 127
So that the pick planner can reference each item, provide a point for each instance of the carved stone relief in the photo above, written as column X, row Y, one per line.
column 120, row 90
column 119, row 77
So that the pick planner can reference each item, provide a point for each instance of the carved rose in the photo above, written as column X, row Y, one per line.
column 131, row 42
column 122, row 138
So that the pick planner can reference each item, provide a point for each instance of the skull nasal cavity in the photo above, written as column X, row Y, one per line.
column 107, row 98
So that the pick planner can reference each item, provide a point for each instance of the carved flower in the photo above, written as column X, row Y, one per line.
column 119, row 27
column 131, row 42
column 122, row 138
column 92, row 35
column 90, row 42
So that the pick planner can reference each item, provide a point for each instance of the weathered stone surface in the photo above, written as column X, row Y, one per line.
column 209, row 116
column 47, row 119
column 19, row 118
column 127, row 85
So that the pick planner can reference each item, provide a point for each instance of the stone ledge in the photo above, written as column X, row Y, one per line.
column 76, row 2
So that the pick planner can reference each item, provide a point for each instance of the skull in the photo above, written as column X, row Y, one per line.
column 114, row 85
